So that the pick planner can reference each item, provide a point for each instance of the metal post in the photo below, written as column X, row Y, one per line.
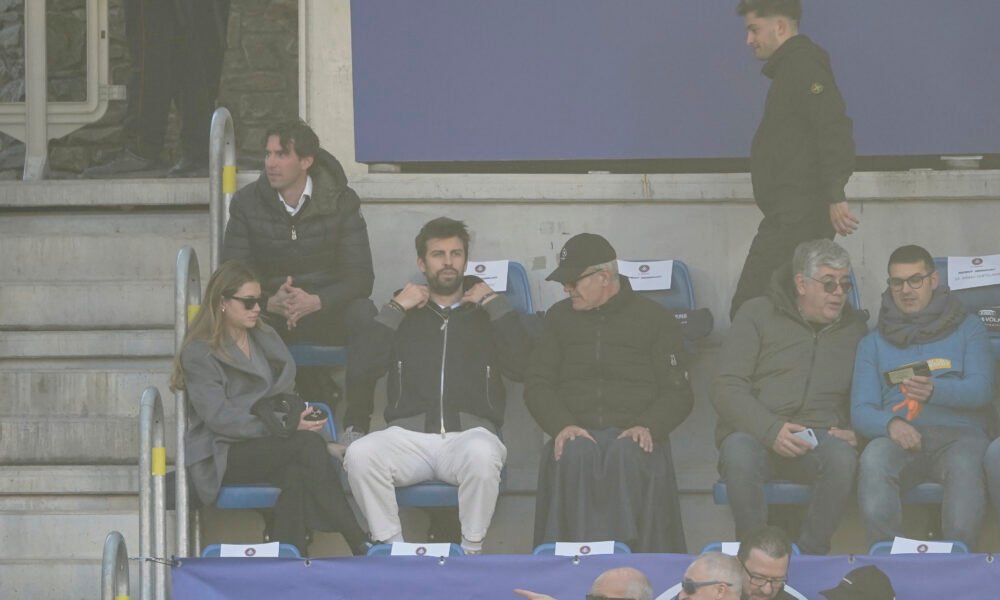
column 114, row 568
column 221, row 180
column 36, row 93
column 152, row 508
column 187, row 294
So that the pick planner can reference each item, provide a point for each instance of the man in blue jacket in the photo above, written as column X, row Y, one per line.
column 923, row 386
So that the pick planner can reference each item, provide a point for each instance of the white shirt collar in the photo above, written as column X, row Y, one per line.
column 306, row 193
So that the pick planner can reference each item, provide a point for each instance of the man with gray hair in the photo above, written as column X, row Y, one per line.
column 622, row 583
column 712, row 576
column 783, row 389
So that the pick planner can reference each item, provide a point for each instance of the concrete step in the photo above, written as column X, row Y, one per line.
column 125, row 344
column 85, row 440
column 87, row 304
column 33, row 195
column 116, row 246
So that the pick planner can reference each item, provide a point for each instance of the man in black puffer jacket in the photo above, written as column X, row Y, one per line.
column 444, row 346
column 606, row 381
column 299, row 226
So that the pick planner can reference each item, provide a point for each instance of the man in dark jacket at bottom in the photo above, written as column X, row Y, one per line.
column 445, row 345
column 606, row 382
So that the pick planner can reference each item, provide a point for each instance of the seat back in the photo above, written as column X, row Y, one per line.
column 882, row 548
column 974, row 299
column 717, row 547
column 549, row 548
column 680, row 296
column 519, row 288
column 386, row 550
column 854, row 298
column 284, row 551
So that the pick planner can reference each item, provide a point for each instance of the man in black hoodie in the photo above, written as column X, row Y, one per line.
column 444, row 345
column 299, row 226
column 803, row 152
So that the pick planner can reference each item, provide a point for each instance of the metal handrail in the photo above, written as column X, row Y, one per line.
column 114, row 568
column 187, row 294
column 221, row 180
column 152, row 508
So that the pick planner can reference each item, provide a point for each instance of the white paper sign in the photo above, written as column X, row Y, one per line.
column 649, row 275
column 584, row 548
column 269, row 550
column 966, row 272
column 902, row 545
column 730, row 548
column 407, row 549
column 492, row 272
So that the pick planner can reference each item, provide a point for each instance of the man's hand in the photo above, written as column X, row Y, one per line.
column 300, row 303
column 413, row 295
column 843, row 220
column 919, row 388
column 276, row 303
column 305, row 425
column 788, row 445
column 476, row 293
column 570, row 432
column 640, row 435
column 532, row 595
column 904, row 434
column 844, row 434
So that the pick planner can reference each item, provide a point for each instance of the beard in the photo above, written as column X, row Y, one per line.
column 444, row 288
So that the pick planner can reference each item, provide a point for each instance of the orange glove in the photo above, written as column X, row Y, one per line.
column 912, row 406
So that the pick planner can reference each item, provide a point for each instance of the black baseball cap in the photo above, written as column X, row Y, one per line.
column 863, row 583
column 580, row 252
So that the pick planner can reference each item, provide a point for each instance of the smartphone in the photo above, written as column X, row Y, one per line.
column 809, row 436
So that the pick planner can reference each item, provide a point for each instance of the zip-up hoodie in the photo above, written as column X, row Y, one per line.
column 775, row 368
column 444, row 365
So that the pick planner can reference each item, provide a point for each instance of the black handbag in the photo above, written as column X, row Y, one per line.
column 280, row 413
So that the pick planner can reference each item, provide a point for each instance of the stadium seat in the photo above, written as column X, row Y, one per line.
column 717, row 547
column 284, row 551
column 974, row 299
column 386, row 550
column 886, row 547
column 549, row 548
column 436, row 493
column 679, row 300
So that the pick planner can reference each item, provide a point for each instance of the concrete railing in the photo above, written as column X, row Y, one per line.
column 114, row 568
column 152, row 508
column 187, row 299
column 35, row 121
column 221, row 180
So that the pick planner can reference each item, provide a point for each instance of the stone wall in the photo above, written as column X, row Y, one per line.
column 259, row 81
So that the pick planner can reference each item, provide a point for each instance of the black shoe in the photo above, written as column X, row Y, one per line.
column 126, row 165
column 187, row 167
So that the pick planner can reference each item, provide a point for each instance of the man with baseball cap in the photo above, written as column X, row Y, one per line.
column 606, row 381
column 864, row 583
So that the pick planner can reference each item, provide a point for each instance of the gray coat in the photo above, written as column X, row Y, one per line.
column 221, row 392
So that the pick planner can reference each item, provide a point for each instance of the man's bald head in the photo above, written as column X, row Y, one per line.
column 623, row 582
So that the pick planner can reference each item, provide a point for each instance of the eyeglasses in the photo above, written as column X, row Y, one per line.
column 830, row 285
column 761, row 581
column 249, row 301
column 914, row 281
column 581, row 278
column 691, row 587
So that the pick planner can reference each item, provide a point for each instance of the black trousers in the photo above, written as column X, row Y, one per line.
column 177, row 47
column 773, row 246
column 334, row 328
column 311, row 495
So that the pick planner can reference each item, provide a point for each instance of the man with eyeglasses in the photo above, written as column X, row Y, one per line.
column 765, row 555
column 623, row 583
column 782, row 393
column 922, row 393
column 606, row 381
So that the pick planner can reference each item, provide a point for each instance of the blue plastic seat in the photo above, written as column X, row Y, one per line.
column 680, row 296
column 882, row 548
column 436, row 493
column 717, row 547
column 386, row 550
column 549, row 548
column 263, row 496
column 974, row 299
column 311, row 355
column 284, row 551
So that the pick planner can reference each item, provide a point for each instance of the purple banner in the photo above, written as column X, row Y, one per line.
column 495, row 576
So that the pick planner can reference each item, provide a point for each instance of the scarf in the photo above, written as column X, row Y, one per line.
column 936, row 321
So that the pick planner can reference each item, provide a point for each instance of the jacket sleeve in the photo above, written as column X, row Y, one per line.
column 733, row 395
column 832, row 129
column 371, row 353
column 674, row 399
column 204, row 382
column 869, row 415
column 973, row 388
column 541, row 382
column 512, row 341
column 354, row 271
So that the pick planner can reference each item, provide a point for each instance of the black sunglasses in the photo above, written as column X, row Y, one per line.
column 690, row 587
column 830, row 285
column 249, row 301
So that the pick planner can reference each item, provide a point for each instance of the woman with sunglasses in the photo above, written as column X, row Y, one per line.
column 229, row 361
